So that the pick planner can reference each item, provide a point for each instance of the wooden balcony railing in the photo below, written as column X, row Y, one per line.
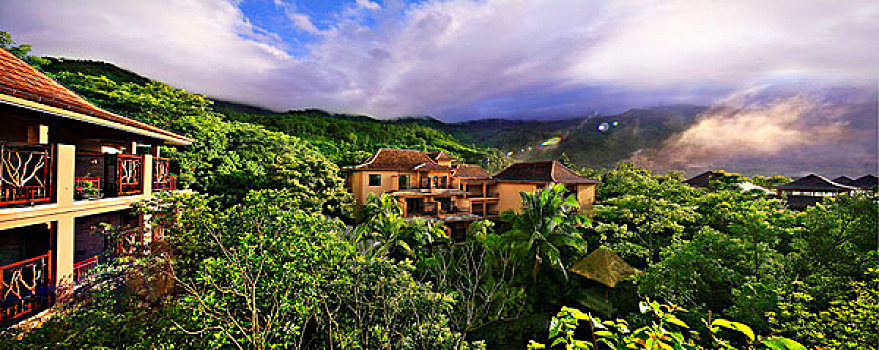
column 162, row 178
column 25, row 173
column 26, row 287
column 85, row 269
column 121, row 174
column 128, row 241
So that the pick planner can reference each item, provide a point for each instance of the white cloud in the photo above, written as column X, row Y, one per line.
column 367, row 4
column 302, row 21
column 205, row 46
column 462, row 58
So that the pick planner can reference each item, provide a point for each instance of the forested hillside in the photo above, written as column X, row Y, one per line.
column 349, row 139
column 267, row 255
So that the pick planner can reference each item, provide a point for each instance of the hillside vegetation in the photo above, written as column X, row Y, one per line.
column 349, row 139
column 261, row 258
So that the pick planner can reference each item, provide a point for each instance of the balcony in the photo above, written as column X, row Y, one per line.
column 162, row 178
column 26, row 176
column 108, row 175
column 84, row 269
column 26, row 287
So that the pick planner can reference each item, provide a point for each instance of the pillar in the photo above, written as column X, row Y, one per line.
column 145, row 220
column 64, row 240
column 132, row 147
column 65, row 160
column 38, row 134
column 147, row 175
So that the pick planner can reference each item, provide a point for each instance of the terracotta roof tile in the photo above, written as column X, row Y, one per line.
column 440, row 155
column 19, row 79
column 400, row 159
column 470, row 171
column 545, row 171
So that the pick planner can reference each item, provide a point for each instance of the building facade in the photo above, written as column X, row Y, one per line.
column 427, row 184
column 66, row 166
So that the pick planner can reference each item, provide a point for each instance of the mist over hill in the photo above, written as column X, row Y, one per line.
column 784, row 130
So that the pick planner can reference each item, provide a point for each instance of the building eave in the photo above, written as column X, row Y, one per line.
column 170, row 138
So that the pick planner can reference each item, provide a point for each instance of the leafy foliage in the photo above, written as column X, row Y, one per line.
column 666, row 331
column 227, row 159
column 549, row 222
column 348, row 140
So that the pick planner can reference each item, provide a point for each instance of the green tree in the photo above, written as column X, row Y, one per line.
column 21, row 51
column 550, row 221
column 848, row 323
column 838, row 245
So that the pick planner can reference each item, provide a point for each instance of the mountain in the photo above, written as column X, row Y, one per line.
column 788, row 130
column 96, row 68
column 592, row 141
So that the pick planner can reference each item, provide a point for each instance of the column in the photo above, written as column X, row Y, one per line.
column 63, row 266
column 147, row 175
column 145, row 220
column 65, row 160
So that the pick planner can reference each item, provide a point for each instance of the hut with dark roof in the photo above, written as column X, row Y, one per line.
column 809, row 190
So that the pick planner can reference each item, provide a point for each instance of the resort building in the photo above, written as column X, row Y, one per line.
column 810, row 190
column 66, row 166
column 428, row 185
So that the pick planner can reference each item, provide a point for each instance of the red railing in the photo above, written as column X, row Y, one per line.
column 129, row 174
column 26, row 287
column 127, row 241
column 162, row 178
column 85, row 269
column 25, row 173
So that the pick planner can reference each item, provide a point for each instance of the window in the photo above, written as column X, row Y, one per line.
column 436, row 181
column 375, row 180
column 403, row 182
column 444, row 182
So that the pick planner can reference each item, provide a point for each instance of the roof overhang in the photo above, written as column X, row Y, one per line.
column 172, row 139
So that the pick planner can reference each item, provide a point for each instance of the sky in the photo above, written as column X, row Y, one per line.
column 461, row 59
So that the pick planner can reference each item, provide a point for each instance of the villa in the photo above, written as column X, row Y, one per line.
column 67, row 166
column 427, row 184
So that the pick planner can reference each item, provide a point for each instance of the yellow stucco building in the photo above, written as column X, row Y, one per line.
column 66, row 166
column 427, row 184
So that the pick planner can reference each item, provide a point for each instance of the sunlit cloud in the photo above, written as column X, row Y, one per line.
column 462, row 59
column 814, row 131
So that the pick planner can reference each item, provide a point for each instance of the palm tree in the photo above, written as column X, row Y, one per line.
column 548, row 221
column 384, row 233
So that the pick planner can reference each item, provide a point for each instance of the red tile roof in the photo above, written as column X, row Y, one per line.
column 543, row 172
column 470, row 171
column 401, row 160
column 19, row 79
column 440, row 155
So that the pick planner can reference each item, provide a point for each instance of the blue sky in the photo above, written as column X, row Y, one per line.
column 465, row 59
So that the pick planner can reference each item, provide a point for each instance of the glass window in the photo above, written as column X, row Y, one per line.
column 403, row 182
column 375, row 179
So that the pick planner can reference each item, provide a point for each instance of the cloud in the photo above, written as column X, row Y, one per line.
column 302, row 21
column 205, row 46
column 461, row 59
column 825, row 130
column 367, row 4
